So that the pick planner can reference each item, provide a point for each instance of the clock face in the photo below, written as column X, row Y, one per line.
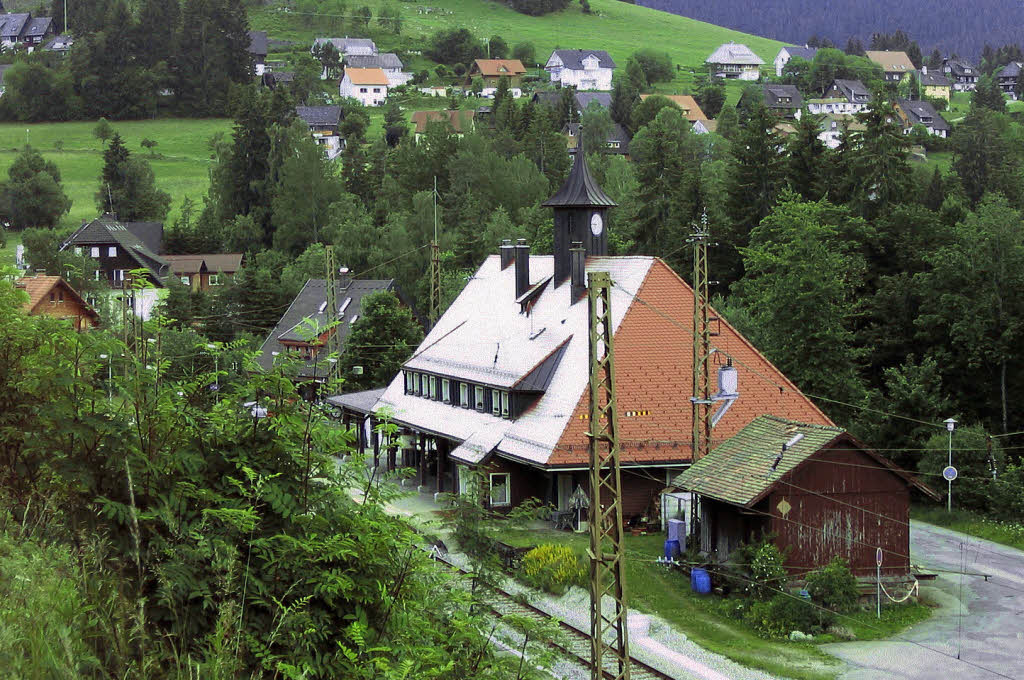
column 596, row 224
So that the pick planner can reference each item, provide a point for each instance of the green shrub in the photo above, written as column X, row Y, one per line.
column 767, row 570
column 833, row 586
column 553, row 568
column 784, row 613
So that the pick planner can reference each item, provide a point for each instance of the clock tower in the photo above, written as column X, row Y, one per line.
column 581, row 212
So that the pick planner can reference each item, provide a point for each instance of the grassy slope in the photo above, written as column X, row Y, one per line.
column 181, row 165
column 618, row 27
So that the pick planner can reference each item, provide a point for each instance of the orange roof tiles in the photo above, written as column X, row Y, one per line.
column 366, row 76
column 653, row 350
column 499, row 67
column 691, row 109
column 38, row 287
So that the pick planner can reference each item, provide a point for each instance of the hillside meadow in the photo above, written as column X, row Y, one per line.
column 180, row 161
column 618, row 27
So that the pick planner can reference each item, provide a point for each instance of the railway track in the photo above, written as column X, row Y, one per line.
column 576, row 643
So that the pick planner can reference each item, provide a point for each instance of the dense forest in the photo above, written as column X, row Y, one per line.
column 950, row 28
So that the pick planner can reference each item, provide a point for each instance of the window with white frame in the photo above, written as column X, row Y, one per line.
column 186, row 279
column 214, row 279
column 446, row 390
column 495, row 402
column 501, row 483
column 94, row 251
column 111, row 251
column 119, row 275
column 479, row 398
column 433, row 387
column 504, row 405
column 417, row 383
column 464, row 395
column 362, row 90
column 410, row 378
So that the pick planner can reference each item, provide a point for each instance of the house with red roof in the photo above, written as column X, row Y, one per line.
column 500, row 383
column 53, row 296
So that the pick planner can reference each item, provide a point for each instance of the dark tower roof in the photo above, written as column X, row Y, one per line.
column 580, row 190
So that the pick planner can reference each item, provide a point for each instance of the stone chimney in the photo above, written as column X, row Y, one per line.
column 522, row 267
column 577, row 271
column 507, row 252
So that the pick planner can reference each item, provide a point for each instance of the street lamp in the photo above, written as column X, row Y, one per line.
column 949, row 473
column 110, row 375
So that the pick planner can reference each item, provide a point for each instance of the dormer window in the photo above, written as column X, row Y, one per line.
column 446, row 391
column 478, row 393
column 410, row 381
column 463, row 395
column 504, row 405
column 495, row 402
column 433, row 387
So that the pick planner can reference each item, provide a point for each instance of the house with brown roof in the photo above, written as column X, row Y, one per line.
column 493, row 70
column 368, row 85
column 818, row 491
column 895, row 65
column 461, row 121
column 204, row 272
column 500, row 383
column 53, row 296
column 691, row 109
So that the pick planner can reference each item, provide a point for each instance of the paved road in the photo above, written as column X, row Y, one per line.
column 992, row 626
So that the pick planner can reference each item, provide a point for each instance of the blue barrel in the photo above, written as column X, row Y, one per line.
column 672, row 550
column 700, row 581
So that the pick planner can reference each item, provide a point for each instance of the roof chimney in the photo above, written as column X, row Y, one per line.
column 507, row 251
column 577, row 271
column 522, row 267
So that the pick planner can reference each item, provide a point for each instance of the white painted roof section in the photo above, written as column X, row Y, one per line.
column 464, row 342
column 734, row 53
column 478, row 445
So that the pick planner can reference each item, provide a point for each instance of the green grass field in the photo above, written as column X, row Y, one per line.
column 181, row 163
column 618, row 27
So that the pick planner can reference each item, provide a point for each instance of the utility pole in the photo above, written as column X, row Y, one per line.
column 701, row 399
column 333, row 350
column 435, row 269
column 607, row 557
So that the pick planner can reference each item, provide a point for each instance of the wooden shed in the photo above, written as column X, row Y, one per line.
column 816, row 489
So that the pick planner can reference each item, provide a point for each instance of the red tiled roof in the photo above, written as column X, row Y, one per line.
column 654, row 380
column 499, row 67
column 38, row 287
column 366, row 76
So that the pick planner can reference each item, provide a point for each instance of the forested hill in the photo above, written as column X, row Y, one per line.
column 958, row 26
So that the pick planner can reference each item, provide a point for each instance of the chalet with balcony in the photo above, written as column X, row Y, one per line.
column 582, row 69
column 920, row 112
column 895, row 65
column 784, row 101
column 500, row 383
column 841, row 97
column 119, row 248
column 734, row 60
column 54, row 297
column 961, row 73
column 1008, row 77
column 493, row 70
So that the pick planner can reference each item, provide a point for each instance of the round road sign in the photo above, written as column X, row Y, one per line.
column 949, row 473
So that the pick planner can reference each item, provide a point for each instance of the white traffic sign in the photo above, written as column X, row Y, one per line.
column 949, row 473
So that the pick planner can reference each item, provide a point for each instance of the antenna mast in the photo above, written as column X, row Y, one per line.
column 607, row 556
column 701, row 399
column 333, row 351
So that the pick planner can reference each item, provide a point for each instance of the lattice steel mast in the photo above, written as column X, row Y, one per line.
column 701, row 399
column 333, row 350
column 435, row 269
column 607, row 565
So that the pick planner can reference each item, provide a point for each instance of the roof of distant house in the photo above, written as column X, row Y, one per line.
column 343, row 45
column 573, row 59
column 319, row 115
column 617, row 139
column 923, row 112
column 59, row 43
column 691, row 109
column 306, row 316
column 806, row 53
column 13, row 25
column 852, row 88
column 1011, row 70
column 37, row 26
column 960, row 67
column 585, row 99
column 734, row 53
column 258, row 43
column 215, row 263
column 460, row 120
column 384, row 60
column 38, row 288
column 933, row 79
column 494, row 68
column 782, row 96
column 185, row 264
column 106, row 229
column 366, row 76
column 891, row 62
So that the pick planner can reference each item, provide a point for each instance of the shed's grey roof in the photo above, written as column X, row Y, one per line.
column 319, row 115
column 734, row 53
column 306, row 315
column 385, row 60
column 580, row 188
column 573, row 59
column 258, row 43
column 806, row 53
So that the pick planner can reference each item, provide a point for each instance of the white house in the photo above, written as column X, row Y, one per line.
column 842, row 97
column 385, row 61
column 733, row 60
column 368, row 85
column 584, row 69
column 832, row 127
column 790, row 51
